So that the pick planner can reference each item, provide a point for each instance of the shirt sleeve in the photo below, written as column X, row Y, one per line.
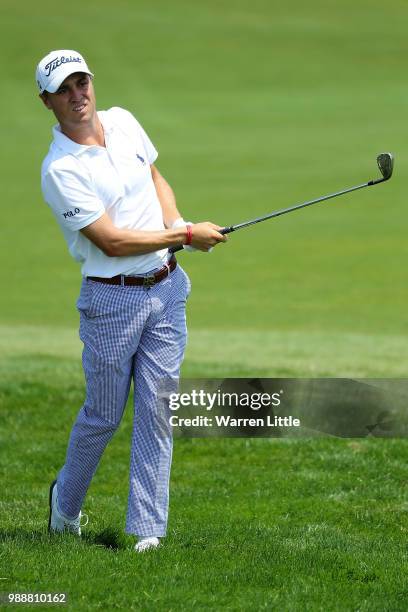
column 71, row 197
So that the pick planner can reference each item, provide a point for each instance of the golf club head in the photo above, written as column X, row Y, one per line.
column 385, row 163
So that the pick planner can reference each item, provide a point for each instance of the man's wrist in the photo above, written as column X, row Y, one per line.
column 189, row 236
column 179, row 223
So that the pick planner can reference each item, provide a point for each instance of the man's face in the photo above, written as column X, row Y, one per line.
column 74, row 102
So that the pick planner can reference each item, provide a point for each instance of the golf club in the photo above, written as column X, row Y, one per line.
column 385, row 163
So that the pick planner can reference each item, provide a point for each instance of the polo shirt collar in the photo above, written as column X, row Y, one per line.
column 69, row 146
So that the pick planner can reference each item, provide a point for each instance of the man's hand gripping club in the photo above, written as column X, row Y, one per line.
column 203, row 236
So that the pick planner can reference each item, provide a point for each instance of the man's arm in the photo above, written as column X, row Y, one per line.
column 166, row 197
column 115, row 242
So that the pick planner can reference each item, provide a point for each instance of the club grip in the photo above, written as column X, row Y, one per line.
column 223, row 231
column 175, row 249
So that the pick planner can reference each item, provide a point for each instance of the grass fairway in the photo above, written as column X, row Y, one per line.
column 253, row 107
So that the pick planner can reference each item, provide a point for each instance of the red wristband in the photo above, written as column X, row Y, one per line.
column 189, row 236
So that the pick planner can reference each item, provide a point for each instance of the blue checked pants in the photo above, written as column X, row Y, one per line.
column 128, row 333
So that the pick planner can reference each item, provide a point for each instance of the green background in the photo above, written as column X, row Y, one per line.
column 253, row 107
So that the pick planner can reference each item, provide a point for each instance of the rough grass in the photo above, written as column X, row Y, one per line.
column 281, row 524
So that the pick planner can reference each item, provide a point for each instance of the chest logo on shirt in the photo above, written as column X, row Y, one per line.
column 140, row 158
column 71, row 213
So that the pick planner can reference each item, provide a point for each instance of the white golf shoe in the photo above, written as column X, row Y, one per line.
column 57, row 522
column 147, row 544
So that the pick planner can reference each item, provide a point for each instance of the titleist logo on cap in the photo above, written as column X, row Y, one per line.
column 57, row 61
column 56, row 66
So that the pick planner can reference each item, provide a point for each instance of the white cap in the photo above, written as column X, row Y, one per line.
column 55, row 67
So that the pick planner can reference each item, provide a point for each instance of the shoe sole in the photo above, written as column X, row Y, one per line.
column 50, row 504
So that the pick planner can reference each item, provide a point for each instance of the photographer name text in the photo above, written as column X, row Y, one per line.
column 228, row 421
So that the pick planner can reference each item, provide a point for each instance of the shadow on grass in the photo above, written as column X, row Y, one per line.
column 108, row 538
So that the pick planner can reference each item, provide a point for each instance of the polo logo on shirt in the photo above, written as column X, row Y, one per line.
column 140, row 158
column 57, row 61
column 71, row 213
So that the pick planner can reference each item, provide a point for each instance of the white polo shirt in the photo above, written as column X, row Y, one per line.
column 80, row 183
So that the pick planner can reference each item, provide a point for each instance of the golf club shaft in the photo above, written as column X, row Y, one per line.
column 284, row 211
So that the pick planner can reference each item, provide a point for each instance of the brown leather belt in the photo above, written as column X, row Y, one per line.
column 145, row 280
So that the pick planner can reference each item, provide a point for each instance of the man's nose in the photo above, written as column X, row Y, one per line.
column 75, row 93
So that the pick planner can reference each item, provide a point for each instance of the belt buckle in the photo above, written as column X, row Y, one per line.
column 149, row 281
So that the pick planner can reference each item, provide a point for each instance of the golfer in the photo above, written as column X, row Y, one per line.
column 119, row 218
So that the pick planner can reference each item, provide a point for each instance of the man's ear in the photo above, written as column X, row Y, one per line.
column 44, row 97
